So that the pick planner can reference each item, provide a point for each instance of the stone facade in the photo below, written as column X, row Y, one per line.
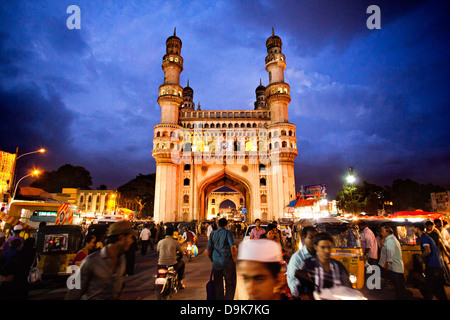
column 199, row 151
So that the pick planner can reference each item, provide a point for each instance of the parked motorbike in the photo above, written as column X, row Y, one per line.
column 166, row 282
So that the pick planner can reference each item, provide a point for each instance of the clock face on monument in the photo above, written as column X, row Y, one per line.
column 224, row 145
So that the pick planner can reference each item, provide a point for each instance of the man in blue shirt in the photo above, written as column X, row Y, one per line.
column 307, row 250
column 222, row 252
column 434, row 275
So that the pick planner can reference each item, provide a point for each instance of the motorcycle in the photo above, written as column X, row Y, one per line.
column 166, row 283
column 191, row 250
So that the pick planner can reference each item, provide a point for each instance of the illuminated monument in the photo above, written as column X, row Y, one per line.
column 198, row 152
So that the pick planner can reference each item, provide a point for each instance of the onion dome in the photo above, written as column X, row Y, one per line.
column 173, row 41
column 273, row 41
column 260, row 89
column 188, row 91
column 260, row 103
column 188, row 97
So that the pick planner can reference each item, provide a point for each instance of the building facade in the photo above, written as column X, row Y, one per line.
column 200, row 151
column 440, row 202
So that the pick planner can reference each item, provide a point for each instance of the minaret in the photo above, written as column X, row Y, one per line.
column 188, row 97
column 170, row 92
column 260, row 103
column 281, row 133
column 167, row 134
column 277, row 92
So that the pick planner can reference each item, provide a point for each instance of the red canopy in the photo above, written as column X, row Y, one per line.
column 370, row 217
column 305, row 202
column 417, row 214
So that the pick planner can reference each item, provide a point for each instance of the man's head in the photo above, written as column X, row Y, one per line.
column 361, row 224
column 386, row 231
column 259, row 263
column 323, row 242
column 258, row 223
column 307, row 235
column 223, row 222
column 120, row 234
column 438, row 224
column 419, row 228
column 169, row 231
column 429, row 225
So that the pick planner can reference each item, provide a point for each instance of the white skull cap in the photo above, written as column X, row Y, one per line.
column 261, row 250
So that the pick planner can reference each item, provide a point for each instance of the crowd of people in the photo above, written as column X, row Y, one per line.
column 312, row 269
column 269, row 271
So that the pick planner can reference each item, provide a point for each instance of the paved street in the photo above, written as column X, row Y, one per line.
column 197, row 273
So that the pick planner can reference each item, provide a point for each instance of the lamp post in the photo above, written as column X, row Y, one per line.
column 42, row 150
column 35, row 172
column 350, row 180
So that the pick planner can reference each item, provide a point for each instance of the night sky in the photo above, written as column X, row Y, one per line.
column 374, row 100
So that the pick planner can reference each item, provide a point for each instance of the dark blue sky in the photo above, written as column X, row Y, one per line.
column 376, row 100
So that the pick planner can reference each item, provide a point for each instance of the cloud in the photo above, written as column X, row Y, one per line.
column 30, row 120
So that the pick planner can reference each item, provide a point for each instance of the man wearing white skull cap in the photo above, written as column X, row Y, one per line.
column 261, row 266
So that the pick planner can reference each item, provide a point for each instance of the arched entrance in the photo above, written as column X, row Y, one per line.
column 224, row 179
column 227, row 207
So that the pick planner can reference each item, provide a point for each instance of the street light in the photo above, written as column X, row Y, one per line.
column 35, row 172
column 13, row 178
column 351, row 179
column 351, row 176
column 42, row 150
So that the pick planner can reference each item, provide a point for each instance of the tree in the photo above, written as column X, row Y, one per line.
column 141, row 190
column 372, row 195
column 406, row 195
column 350, row 199
column 67, row 176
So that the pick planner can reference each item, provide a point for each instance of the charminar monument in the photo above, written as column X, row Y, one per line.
column 198, row 152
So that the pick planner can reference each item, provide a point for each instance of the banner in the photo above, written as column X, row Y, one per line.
column 318, row 191
column 64, row 215
column 13, row 221
column 7, row 161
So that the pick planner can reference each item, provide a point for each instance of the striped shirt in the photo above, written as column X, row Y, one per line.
column 338, row 275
